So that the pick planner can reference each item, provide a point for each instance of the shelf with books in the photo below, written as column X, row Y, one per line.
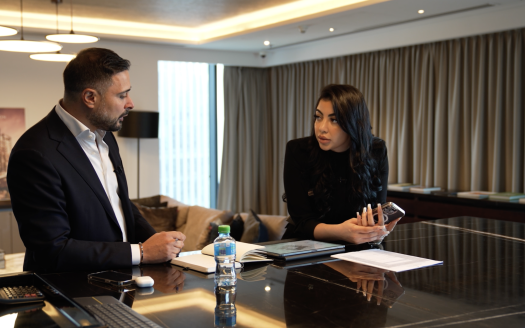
column 444, row 204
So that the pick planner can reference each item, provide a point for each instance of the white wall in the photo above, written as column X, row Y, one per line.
column 37, row 87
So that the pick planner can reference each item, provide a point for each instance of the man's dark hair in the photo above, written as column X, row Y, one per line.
column 93, row 68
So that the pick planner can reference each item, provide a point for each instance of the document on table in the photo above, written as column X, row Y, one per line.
column 387, row 260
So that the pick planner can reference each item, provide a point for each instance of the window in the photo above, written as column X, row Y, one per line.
column 188, row 110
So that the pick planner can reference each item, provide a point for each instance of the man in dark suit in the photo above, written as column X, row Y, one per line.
column 68, row 188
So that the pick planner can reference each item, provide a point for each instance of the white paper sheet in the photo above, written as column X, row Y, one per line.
column 387, row 260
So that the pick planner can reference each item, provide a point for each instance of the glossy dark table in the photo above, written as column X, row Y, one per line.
column 480, row 284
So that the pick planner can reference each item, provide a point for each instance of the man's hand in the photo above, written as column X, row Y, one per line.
column 163, row 246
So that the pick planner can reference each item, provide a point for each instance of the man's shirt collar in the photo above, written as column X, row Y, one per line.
column 76, row 127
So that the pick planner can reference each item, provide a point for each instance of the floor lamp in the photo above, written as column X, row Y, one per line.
column 140, row 125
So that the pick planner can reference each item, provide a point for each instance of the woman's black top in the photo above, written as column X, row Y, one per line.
column 298, row 186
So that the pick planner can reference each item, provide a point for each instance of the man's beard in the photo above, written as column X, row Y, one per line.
column 101, row 120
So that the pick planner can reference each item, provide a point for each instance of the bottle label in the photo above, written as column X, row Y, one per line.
column 225, row 321
column 224, row 248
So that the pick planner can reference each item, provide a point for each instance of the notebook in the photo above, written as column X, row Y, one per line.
column 301, row 249
column 205, row 261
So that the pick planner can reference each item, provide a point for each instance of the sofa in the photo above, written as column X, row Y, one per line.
column 199, row 224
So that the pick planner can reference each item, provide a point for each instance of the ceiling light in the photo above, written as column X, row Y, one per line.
column 7, row 31
column 267, row 288
column 71, row 37
column 420, row 11
column 266, row 43
column 58, row 57
column 331, row 29
column 29, row 46
column 25, row 45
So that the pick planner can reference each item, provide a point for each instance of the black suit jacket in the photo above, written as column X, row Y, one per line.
column 64, row 216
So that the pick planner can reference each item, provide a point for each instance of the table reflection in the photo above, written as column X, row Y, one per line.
column 168, row 279
column 371, row 281
column 339, row 293
column 225, row 311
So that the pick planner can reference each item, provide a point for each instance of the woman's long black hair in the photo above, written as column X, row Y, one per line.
column 353, row 117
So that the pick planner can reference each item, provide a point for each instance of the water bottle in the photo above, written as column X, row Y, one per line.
column 225, row 311
column 224, row 250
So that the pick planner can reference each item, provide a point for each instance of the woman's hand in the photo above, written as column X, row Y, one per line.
column 356, row 230
column 367, row 219
column 353, row 232
column 363, row 228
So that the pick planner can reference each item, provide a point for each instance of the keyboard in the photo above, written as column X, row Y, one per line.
column 113, row 313
column 20, row 295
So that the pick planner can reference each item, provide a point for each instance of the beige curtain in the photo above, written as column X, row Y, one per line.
column 451, row 113
column 243, row 172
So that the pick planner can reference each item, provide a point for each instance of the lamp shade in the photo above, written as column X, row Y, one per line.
column 140, row 124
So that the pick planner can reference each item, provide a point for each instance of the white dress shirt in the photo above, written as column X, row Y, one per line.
column 98, row 153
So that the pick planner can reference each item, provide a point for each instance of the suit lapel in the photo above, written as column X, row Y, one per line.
column 75, row 155
column 122, row 185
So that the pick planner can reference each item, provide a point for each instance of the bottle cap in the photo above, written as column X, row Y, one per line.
column 224, row 229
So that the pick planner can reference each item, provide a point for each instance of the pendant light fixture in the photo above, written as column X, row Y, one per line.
column 26, row 45
column 7, row 31
column 57, row 57
column 72, row 37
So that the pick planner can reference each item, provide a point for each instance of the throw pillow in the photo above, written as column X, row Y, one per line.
column 236, row 227
column 196, row 231
column 160, row 218
column 153, row 201
column 224, row 218
column 254, row 230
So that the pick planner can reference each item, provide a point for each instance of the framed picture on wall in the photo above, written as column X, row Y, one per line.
column 12, row 126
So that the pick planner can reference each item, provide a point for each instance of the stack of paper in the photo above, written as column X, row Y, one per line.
column 390, row 261
column 401, row 186
column 507, row 196
column 475, row 194
column 424, row 190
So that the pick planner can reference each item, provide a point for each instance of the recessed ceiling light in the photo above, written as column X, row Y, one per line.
column 266, row 43
column 267, row 288
column 420, row 11
column 331, row 29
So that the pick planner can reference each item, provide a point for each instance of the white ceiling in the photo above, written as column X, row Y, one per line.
column 193, row 14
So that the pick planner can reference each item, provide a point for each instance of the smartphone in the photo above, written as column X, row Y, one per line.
column 391, row 212
column 111, row 277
